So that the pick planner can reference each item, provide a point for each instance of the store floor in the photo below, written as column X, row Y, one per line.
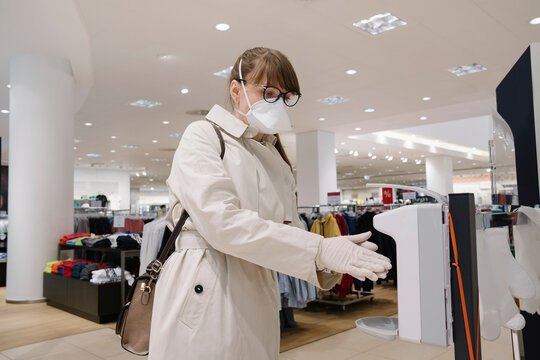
column 348, row 345
column 38, row 331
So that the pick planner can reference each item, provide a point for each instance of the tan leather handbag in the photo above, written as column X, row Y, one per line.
column 133, row 324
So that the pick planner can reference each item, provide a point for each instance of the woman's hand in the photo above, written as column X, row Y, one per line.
column 353, row 255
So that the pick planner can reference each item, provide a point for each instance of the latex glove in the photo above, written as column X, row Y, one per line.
column 361, row 239
column 500, row 279
column 527, row 246
column 342, row 255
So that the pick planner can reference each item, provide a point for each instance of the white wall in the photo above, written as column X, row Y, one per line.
column 112, row 183
column 153, row 198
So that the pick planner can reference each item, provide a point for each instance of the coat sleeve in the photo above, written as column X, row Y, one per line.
column 327, row 280
column 203, row 187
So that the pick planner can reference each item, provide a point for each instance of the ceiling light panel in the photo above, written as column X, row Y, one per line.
column 380, row 23
column 145, row 103
column 333, row 100
column 467, row 69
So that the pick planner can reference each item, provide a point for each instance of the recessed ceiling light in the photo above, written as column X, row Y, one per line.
column 423, row 117
column 358, row 129
column 130, row 146
column 350, row 72
column 333, row 100
column 342, row 143
column 113, row 137
column 322, row 119
column 535, row 21
column 165, row 122
column 369, row 110
column 157, row 160
column 145, row 103
column 112, row 161
column 380, row 23
column 226, row 73
column 113, row 151
column 459, row 161
column 146, row 154
column 74, row 148
column 426, row 98
column 222, row 27
column 184, row 91
column 467, row 69
column 8, row 86
column 165, row 57
column 93, row 155
column 144, row 173
column 4, row 111
column 88, row 124
column 154, row 141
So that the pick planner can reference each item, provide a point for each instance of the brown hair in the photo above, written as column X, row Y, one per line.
column 261, row 62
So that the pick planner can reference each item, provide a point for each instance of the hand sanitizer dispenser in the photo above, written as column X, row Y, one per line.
column 423, row 272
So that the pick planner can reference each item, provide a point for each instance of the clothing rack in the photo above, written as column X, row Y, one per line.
column 327, row 297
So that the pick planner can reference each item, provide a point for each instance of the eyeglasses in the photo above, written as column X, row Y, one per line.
column 272, row 94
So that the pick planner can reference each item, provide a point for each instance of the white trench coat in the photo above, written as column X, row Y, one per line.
column 216, row 297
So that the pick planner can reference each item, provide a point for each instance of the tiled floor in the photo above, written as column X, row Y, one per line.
column 348, row 345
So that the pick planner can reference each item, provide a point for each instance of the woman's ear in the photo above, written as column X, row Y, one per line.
column 234, row 90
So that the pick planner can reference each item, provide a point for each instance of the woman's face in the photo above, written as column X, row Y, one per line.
column 254, row 93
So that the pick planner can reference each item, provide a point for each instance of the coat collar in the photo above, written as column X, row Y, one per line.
column 226, row 121
column 234, row 126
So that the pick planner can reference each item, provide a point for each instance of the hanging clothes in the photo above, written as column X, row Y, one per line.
column 151, row 242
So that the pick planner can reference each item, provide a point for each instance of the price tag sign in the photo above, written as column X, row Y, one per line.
column 334, row 198
column 119, row 221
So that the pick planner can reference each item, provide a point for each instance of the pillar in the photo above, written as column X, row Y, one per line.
column 439, row 174
column 40, row 169
column 316, row 171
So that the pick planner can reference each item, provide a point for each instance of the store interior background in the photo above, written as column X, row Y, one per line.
column 402, row 104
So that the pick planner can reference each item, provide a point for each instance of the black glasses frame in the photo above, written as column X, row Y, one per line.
column 281, row 94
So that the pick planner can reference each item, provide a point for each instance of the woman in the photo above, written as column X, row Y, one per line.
column 216, row 297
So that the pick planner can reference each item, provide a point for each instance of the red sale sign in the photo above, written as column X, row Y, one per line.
column 387, row 196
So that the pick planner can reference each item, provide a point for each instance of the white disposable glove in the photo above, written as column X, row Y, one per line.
column 500, row 279
column 527, row 246
column 341, row 254
column 361, row 239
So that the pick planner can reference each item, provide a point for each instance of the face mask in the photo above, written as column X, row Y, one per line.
column 269, row 118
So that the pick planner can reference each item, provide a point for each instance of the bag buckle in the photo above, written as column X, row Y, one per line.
column 156, row 266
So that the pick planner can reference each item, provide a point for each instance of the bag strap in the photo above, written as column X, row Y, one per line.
column 155, row 266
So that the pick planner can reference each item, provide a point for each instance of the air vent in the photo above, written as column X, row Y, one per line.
column 197, row 112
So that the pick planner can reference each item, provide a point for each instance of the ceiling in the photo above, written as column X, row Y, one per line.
column 395, row 70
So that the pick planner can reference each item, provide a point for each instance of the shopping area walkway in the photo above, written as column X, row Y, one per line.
column 348, row 345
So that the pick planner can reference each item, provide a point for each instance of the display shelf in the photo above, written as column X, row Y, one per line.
column 93, row 302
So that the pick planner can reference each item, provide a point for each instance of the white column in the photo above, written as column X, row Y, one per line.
column 315, row 167
column 439, row 174
column 40, row 169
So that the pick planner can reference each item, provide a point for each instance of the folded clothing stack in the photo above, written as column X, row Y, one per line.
column 110, row 275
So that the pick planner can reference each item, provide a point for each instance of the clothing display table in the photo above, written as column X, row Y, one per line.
column 122, row 252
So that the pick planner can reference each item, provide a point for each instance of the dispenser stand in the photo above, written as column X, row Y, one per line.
column 462, row 209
